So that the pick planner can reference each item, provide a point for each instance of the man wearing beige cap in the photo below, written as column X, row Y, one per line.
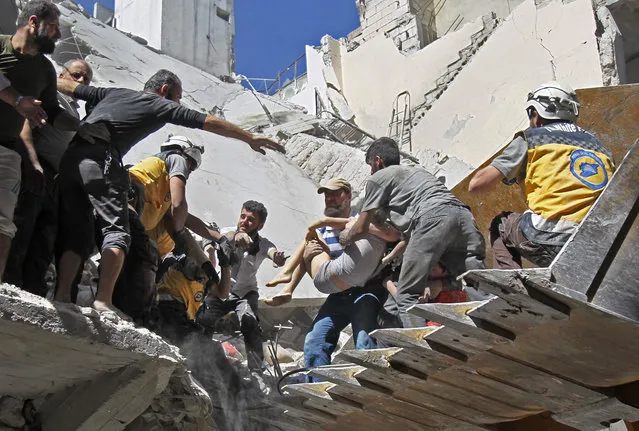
column 349, row 301
column 337, row 201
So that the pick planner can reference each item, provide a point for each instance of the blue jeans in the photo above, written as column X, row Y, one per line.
column 356, row 306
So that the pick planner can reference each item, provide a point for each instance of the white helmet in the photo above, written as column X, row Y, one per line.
column 554, row 101
column 182, row 143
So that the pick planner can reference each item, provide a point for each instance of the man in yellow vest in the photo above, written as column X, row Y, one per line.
column 159, row 221
column 562, row 168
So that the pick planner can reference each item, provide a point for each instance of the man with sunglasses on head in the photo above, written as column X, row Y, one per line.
column 562, row 169
column 36, row 214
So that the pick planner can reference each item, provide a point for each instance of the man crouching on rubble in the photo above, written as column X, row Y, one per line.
column 93, row 178
column 564, row 169
column 241, row 298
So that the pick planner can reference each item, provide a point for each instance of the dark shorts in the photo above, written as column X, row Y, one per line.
column 93, row 191
column 509, row 244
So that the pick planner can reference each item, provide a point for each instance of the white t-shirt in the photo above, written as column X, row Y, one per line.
column 244, row 272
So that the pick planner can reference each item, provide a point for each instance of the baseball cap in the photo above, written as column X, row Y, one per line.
column 335, row 184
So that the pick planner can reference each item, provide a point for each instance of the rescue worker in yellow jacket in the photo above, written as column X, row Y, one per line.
column 562, row 169
column 159, row 220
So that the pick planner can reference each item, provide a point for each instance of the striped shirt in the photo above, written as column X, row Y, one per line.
column 331, row 237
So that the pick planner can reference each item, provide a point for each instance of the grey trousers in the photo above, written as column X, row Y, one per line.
column 448, row 235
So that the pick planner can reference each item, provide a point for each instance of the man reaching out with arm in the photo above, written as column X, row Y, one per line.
column 94, row 179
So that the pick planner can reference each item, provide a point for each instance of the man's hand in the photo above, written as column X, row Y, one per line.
column 278, row 258
column 351, row 222
column 312, row 249
column 91, row 132
column 259, row 143
column 29, row 107
column 209, row 271
column 34, row 183
column 225, row 252
column 243, row 240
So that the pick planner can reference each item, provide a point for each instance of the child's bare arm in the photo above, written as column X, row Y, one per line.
column 395, row 253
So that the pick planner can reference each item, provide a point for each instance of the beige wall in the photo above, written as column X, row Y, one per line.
column 468, row 10
column 484, row 106
column 376, row 72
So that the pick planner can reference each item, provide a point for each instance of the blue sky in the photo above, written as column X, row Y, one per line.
column 270, row 34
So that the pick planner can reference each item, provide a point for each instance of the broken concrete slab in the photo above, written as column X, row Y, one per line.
column 93, row 371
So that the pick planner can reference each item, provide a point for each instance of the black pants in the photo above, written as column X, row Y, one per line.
column 32, row 248
column 246, row 310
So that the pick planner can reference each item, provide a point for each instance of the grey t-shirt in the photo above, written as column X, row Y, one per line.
column 133, row 115
column 406, row 192
column 176, row 165
column 50, row 143
column 512, row 161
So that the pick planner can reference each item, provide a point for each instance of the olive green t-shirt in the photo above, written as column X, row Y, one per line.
column 30, row 75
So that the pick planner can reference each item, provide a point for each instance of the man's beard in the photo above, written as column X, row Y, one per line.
column 333, row 211
column 45, row 44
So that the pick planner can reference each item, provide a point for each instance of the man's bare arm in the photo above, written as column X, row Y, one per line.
column 224, row 128
column 385, row 231
column 485, row 179
column 195, row 224
column 359, row 229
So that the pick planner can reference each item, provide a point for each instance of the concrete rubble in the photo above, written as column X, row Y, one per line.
column 81, row 370
column 463, row 108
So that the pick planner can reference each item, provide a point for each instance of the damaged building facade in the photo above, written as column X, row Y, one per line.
column 442, row 88
column 197, row 32
column 446, row 78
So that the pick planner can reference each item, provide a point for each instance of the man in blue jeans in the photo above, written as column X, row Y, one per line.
column 358, row 306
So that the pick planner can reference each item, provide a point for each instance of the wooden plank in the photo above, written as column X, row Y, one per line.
column 348, row 385
column 595, row 416
column 420, row 351
column 542, row 392
column 456, row 317
column 593, row 347
column 584, row 260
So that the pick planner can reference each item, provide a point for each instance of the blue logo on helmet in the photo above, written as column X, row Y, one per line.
column 588, row 168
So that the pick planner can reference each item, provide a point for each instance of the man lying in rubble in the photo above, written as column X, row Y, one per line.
column 240, row 299
column 183, row 287
column 440, row 228
column 562, row 169
column 93, row 176
column 160, row 221
column 36, row 215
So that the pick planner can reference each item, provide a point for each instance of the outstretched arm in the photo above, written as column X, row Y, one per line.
column 224, row 128
column 396, row 252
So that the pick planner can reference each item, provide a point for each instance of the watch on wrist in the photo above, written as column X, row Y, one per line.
column 18, row 100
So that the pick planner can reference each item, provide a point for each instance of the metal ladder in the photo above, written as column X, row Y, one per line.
column 399, row 127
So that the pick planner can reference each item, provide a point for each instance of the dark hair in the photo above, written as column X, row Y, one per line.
column 44, row 10
column 256, row 208
column 160, row 78
column 384, row 148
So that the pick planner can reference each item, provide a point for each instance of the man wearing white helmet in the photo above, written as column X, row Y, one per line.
column 158, row 221
column 562, row 168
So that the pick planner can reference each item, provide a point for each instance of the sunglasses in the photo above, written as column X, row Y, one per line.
column 78, row 75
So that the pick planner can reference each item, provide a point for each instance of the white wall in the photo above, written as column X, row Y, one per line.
column 193, row 32
column 142, row 18
column 314, row 79
column 484, row 105
column 376, row 72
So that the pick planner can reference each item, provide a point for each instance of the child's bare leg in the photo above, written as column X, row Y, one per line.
column 286, row 294
column 286, row 274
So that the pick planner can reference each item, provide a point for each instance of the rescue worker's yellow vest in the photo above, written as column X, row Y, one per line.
column 151, row 172
column 190, row 292
column 567, row 169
